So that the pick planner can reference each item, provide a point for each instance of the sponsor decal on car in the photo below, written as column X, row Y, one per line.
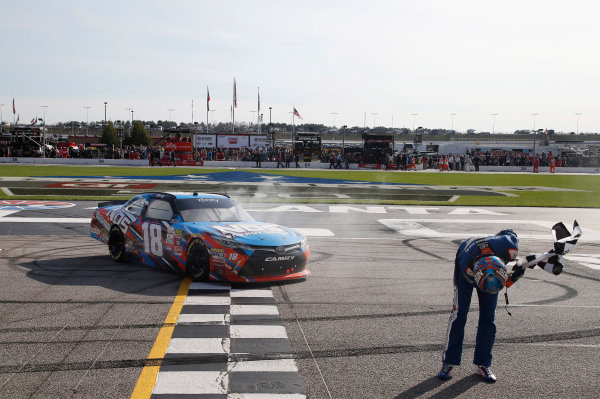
column 248, row 229
column 218, row 254
column 279, row 258
column 121, row 218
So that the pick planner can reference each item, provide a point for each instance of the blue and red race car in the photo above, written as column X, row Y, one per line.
column 206, row 236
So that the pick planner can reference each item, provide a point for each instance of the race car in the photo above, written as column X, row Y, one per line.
column 206, row 236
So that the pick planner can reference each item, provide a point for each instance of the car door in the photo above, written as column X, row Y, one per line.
column 154, row 230
column 133, row 239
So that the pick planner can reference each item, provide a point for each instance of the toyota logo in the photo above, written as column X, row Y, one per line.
column 279, row 250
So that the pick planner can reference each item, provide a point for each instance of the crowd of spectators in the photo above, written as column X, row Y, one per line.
column 404, row 161
column 284, row 156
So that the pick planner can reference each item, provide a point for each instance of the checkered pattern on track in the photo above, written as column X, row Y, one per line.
column 228, row 343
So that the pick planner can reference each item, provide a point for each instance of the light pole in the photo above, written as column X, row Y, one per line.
column 44, row 132
column 252, row 116
column 129, row 110
column 105, row 112
column 452, row 115
column 271, row 129
column 414, row 131
column 87, row 120
column 170, row 110
column 494, row 122
column 578, row 115
column 534, row 132
column 333, row 125
column 374, row 115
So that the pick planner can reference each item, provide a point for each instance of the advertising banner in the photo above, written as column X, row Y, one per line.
column 206, row 141
column 177, row 146
column 259, row 141
column 232, row 141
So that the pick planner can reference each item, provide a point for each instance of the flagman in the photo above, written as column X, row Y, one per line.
column 480, row 264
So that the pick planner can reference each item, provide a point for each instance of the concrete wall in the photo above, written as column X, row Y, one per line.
column 264, row 165
column 74, row 161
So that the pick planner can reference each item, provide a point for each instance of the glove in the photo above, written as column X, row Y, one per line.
column 506, row 232
column 517, row 273
column 554, row 265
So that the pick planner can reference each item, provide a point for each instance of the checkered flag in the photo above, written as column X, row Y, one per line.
column 564, row 241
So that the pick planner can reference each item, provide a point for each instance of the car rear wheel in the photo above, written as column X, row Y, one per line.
column 198, row 261
column 116, row 244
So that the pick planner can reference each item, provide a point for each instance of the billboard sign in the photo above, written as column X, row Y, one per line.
column 258, row 141
column 232, row 141
column 205, row 140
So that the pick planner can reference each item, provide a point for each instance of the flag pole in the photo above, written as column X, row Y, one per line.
column 233, row 108
column 193, row 132
column 258, row 113
column 207, row 107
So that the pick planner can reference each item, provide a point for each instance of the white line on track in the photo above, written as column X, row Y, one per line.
column 258, row 331
column 556, row 345
column 260, row 310
column 554, row 306
column 44, row 220
column 6, row 213
column 191, row 382
column 279, row 365
column 198, row 345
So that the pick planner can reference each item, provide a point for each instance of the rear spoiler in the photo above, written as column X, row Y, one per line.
column 111, row 203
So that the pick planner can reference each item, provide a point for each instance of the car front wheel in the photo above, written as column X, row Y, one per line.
column 198, row 261
column 116, row 244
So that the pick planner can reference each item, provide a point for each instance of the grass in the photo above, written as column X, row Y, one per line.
column 588, row 197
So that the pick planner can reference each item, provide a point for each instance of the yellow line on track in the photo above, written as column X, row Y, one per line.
column 145, row 383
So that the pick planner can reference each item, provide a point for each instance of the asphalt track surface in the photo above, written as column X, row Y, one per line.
column 369, row 323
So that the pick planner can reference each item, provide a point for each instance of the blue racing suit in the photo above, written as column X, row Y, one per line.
column 504, row 245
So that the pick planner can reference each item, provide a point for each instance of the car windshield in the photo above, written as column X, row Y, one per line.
column 211, row 210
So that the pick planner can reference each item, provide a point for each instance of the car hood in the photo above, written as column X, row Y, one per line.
column 250, row 233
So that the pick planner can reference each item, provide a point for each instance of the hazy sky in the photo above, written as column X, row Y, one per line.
column 392, row 58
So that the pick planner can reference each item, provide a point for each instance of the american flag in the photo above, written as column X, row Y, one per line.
column 207, row 99
column 296, row 113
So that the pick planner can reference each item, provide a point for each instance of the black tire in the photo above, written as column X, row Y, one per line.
column 116, row 244
column 198, row 261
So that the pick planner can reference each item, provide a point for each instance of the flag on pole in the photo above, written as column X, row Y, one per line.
column 296, row 113
column 234, row 94
column 259, row 101
column 207, row 99
column 14, row 109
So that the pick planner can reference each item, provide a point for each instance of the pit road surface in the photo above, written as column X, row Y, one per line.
column 369, row 323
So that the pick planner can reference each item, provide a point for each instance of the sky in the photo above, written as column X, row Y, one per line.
column 385, row 63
